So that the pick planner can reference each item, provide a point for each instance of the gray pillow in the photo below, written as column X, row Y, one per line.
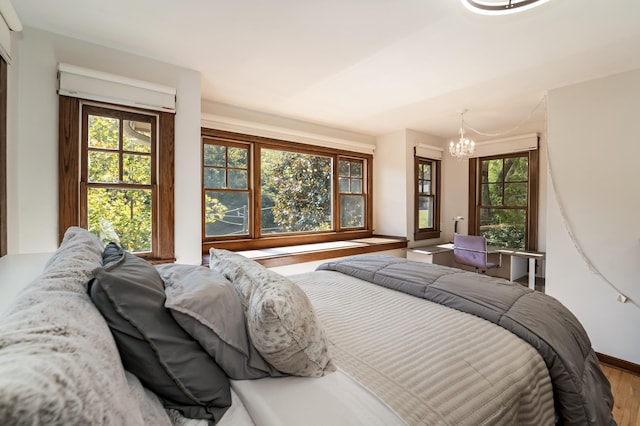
column 129, row 293
column 205, row 304
column 282, row 323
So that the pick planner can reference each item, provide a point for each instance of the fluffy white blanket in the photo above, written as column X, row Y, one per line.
column 58, row 362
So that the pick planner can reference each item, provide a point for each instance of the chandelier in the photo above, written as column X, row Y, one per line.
column 465, row 146
column 501, row 7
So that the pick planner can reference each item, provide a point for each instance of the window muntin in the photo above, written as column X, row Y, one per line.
column 351, row 189
column 226, row 189
column 427, row 196
column 503, row 208
column 118, row 175
column 293, row 193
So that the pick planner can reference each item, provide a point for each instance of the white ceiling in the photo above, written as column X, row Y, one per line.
column 369, row 66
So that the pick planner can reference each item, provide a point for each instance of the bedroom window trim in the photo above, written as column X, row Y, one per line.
column 353, row 191
column 70, row 190
column 475, row 183
column 3, row 157
column 433, row 194
column 255, row 239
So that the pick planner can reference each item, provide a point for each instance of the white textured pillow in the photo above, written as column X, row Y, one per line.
column 282, row 323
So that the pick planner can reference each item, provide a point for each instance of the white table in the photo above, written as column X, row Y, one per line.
column 513, row 267
column 532, row 257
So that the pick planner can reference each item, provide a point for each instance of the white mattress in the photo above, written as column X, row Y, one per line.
column 335, row 399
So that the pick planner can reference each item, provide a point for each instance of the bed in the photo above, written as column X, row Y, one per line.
column 370, row 340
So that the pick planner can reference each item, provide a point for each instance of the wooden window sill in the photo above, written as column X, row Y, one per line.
column 288, row 255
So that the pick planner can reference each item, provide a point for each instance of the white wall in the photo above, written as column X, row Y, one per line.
column 593, row 162
column 390, row 187
column 394, row 183
column 33, row 137
column 455, row 195
column 235, row 119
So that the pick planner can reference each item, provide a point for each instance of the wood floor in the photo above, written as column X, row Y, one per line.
column 626, row 395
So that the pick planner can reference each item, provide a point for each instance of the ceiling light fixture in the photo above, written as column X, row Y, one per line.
column 464, row 147
column 501, row 7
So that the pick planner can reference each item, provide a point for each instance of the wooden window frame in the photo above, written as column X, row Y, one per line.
column 475, row 182
column 85, row 185
column 249, row 190
column 70, row 151
column 4, row 249
column 258, row 241
column 363, row 193
column 433, row 232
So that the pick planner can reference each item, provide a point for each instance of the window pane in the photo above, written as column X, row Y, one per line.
column 491, row 194
column 426, row 187
column 215, row 178
column 136, row 136
column 344, row 185
column 345, row 168
column 516, row 169
column 104, row 132
column 296, row 192
column 426, row 170
column 425, row 212
column 238, row 179
column 515, row 194
column 351, row 211
column 504, row 227
column 136, row 169
column 215, row 155
column 237, row 157
column 127, row 212
column 103, row 167
column 356, row 186
column 492, row 171
column 356, row 169
column 226, row 213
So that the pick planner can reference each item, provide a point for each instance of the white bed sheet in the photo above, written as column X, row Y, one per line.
column 335, row 399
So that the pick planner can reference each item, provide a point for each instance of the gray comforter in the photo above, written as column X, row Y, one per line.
column 582, row 393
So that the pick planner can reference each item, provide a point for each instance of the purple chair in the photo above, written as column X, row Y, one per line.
column 471, row 250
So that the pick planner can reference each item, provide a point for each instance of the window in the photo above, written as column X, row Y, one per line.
column 226, row 189
column 427, row 198
column 260, row 192
column 352, row 199
column 503, row 208
column 116, row 176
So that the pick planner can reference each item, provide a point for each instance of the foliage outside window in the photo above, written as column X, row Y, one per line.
column 296, row 192
column 256, row 188
column 427, row 196
column 120, row 177
column 504, row 209
column 116, row 175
